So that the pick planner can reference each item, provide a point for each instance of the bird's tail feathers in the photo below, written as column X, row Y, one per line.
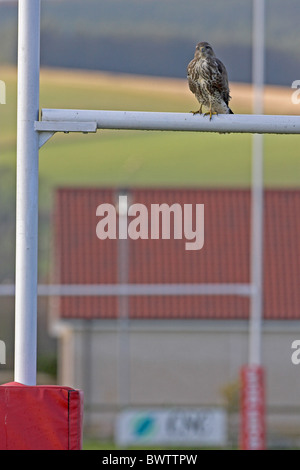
column 230, row 111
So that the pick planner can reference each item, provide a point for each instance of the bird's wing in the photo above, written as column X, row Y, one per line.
column 221, row 81
column 215, row 75
column 192, row 76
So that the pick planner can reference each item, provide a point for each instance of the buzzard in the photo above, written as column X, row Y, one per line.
column 208, row 80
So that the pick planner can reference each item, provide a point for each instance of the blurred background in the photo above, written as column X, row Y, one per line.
column 132, row 55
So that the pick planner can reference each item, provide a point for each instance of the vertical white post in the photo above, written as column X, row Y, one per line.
column 27, row 192
column 253, row 434
column 257, row 216
column 123, row 318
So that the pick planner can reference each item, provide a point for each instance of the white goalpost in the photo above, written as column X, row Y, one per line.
column 257, row 206
column 35, row 130
column 27, row 192
column 71, row 120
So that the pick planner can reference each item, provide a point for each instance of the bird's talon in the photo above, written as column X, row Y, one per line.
column 210, row 114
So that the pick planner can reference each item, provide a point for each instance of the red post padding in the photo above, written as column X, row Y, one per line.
column 40, row 417
column 253, row 427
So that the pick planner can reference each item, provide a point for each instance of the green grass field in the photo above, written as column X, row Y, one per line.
column 140, row 158
column 97, row 445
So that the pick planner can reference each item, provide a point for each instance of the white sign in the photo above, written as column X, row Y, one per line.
column 200, row 427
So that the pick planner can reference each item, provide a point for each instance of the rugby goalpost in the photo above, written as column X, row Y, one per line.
column 34, row 130
column 34, row 133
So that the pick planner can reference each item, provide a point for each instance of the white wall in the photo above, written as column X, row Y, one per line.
column 179, row 363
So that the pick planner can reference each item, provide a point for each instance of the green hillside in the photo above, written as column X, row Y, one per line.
column 228, row 21
column 157, row 37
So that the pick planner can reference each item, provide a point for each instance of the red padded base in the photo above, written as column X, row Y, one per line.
column 40, row 417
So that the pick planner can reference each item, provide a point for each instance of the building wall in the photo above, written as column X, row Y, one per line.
column 179, row 363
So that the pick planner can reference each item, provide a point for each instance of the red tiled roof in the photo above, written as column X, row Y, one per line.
column 81, row 258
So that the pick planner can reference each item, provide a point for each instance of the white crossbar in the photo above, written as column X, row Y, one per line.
column 136, row 120
column 89, row 290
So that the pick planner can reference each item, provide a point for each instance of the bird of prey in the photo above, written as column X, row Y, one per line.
column 208, row 80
